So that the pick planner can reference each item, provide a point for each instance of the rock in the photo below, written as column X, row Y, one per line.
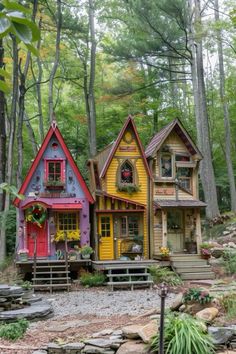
column 182, row 308
column 148, row 331
column 221, row 335
column 118, row 332
column 74, row 346
column 105, row 332
column 40, row 352
column 100, row 342
column 89, row 349
column 207, row 314
column 194, row 308
column 131, row 331
column 4, row 290
column 54, row 348
column 155, row 317
column 231, row 244
column 217, row 252
column 35, row 311
column 132, row 348
column 177, row 302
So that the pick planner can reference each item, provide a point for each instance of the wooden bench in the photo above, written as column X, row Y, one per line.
column 128, row 276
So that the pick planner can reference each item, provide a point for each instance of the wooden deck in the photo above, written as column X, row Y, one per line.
column 104, row 265
column 27, row 267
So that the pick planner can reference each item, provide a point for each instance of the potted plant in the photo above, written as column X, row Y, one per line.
column 165, row 253
column 27, row 288
column 86, row 251
column 23, row 255
column 205, row 250
column 72, row 254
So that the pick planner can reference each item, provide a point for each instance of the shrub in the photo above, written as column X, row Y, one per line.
column 228, row 302
column 15, row 330
column 197, row 295
column 89, row 279
column 229, row 261
column 164, row 274
column 183, row 335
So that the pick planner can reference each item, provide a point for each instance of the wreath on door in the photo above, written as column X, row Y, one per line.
column 36, row 214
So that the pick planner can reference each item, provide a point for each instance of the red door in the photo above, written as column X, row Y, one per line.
column 41, row 239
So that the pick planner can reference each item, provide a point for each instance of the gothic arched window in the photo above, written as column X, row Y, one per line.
column 127, row 173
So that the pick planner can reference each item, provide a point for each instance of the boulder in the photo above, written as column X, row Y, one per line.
column 221, row 335
column 131, row 331
column 217, row 252
column 207, row 314
column 148, row 331
column 178, row 301
column 89, row 349
column 132, row 348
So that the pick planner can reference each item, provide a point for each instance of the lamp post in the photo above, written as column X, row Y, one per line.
column 162, row 293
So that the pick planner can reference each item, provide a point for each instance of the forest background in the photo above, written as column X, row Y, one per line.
column 94, row 62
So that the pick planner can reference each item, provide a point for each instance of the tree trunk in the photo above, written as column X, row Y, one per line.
column 56, row 62
column 226, row 114
column 32, row 138
column 91, row 98
column 10, row 154
column 38, row 89
column 2, row 132
column 206, row 168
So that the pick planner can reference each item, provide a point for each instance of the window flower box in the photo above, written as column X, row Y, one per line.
column 54, row 185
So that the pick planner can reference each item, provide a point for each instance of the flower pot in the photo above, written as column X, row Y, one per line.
column 165, row 258
column 23, row 257
column 85, row 256
column 205, row 256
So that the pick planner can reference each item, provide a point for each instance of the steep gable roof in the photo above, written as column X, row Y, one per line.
column 53, row 130
column 161, row 136
column 128, row 122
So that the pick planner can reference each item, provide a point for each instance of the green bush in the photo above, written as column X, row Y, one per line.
column 164, row 274
column 9, row 219
column 197, row 295
column 229, row 261
column 89, row 279
column 15, row 330
column 183, row 335
column 228, row 302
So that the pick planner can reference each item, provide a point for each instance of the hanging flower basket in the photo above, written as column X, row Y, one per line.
column 36, row 214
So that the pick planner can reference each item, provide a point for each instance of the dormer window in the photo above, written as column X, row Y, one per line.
column 54, row 173
column 127, row 173
column 166, row 165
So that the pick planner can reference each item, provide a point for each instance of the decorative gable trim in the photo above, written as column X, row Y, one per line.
column 129, row 122
column 158, row 139
column 54, row 130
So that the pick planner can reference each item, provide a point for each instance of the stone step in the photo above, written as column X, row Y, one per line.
column 197, row 276
column 187, row 256
column 194, row 269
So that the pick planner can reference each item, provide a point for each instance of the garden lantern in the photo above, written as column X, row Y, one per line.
column 163, row 291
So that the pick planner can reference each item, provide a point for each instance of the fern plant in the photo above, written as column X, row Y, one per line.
column 183, row 335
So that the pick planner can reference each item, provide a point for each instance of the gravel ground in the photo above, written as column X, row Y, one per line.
column 106, row 303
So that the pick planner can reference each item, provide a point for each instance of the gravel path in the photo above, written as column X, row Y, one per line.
column 105, row 303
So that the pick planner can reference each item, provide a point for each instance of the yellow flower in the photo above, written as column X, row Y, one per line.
column 71, row 235
column 164, row 251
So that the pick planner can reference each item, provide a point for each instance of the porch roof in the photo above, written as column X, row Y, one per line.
column 192, row 203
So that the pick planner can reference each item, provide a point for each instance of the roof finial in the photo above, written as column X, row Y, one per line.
column 54, row 122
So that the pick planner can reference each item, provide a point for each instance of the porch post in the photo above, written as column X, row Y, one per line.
column 198, row 229
column 164, row 228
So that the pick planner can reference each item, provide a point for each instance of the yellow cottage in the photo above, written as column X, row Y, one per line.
column 174, row 162
column 120, row 180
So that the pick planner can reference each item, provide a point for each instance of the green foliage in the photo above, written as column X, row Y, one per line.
column 164, row 274
column 90, row 280
column 14, row 331
column 228, row 302
column 26, row 285
column 229, row 261
column 183, row 335
column 130, row 189
column 8, row 220
column 197, row 295
column 86, row 250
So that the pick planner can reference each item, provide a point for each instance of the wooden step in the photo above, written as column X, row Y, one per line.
column 194, row 269
column 52, row 285
column 197, row 276
column 127, row 274
column 51, row 266
column 200, row 262
column 130, row 283
column 54, row 272
column 51, row 279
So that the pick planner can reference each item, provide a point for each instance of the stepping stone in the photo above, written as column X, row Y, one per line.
column 35, row 311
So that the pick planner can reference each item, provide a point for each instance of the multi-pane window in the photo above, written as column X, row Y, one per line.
column 54, row 171
column 166, row 165
column 184, row 175
column 127, row 174
column 129, row 226
column 67, row 221
column 105, row 226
